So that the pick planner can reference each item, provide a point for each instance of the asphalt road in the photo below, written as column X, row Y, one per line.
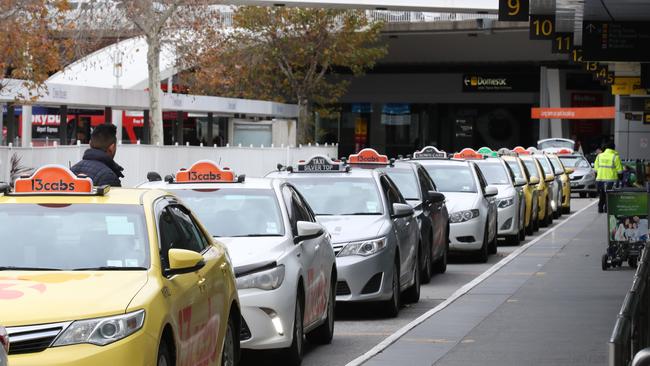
column 358, row 329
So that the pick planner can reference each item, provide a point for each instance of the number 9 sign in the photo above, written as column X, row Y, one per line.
column 513, row 10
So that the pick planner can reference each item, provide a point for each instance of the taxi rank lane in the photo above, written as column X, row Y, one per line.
column 358, row 327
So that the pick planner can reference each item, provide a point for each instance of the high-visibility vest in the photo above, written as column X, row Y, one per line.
column 608, row 166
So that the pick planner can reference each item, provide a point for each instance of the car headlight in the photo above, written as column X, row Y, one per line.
column 506, row 202
column 269, row 279
column 101, row 331
column 363, row 248
column 462, row 216
column 590, row 176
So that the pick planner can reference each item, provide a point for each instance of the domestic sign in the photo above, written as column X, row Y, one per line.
column 513, row 10
column 491, row 83
column 574, row 113
column 616, row 41
column 542, row 27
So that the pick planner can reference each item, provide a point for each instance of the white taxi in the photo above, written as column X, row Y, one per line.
column 283, row 259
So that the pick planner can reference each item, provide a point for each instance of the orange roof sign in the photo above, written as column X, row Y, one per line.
column 521, row 151
column 205, row 171
column 368, row 156
column 574, row 113
column 467, row 153
column 53, row 179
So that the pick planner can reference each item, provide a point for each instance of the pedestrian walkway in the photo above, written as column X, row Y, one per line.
column 551, row 305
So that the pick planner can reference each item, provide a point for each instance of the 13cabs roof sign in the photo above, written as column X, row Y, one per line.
column 467, row 154
column 521, row 151
column 53, row 179
column 486, row 151
column 429, row 152
column 564, row 152
column 205, row 171
column 318, row 164
column 368, row 156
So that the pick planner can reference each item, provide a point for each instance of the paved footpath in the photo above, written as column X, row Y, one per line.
column 550, row 305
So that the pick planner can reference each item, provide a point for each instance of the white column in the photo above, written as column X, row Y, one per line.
column 26, row 137
column 554, row 99
column 1, row 124
column 543, row 102
column 116, row 119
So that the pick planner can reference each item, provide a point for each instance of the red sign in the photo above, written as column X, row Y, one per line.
column 574, row 113
column 53, row 179
column 368, row 156
column 521, row 151
column 205, row 171
column 564, row 152
column 467, row 154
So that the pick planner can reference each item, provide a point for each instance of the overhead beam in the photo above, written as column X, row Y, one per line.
column 459, row 6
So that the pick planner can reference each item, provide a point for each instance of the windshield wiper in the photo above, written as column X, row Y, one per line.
column 253, row 235
column 14, row 268
column 111, row 268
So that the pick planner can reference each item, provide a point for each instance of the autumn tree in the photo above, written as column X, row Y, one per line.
column 30, row 48
column 286, row 54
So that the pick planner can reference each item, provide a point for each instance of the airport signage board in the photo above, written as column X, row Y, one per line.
column 616, row 41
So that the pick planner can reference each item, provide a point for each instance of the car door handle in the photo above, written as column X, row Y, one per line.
column 201, row 282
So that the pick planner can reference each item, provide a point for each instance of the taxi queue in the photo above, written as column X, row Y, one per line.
column 192, row 268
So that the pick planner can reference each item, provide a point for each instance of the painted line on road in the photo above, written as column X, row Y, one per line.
column 456, row 295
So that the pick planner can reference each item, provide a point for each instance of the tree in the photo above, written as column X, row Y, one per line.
column 29, row 47
column 286, row 54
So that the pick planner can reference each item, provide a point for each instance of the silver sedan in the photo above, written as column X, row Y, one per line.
column 583, row 178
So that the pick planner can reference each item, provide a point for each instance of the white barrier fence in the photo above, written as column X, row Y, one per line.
column 138, row 160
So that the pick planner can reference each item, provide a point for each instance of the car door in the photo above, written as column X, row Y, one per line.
column 436, row 211
column 490, row 203
column 404, row 227
column 197, row 299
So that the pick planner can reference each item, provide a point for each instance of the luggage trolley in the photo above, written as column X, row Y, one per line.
column 627, row 226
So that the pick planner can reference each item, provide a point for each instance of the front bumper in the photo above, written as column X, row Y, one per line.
column 139, row 348
column 267, row 317
column 365, row 278
column 583, row 185
column 466, row 236
column 508, row 220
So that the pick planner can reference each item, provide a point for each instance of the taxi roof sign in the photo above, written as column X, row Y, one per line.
column 368, row 156
column 205, row 171
column 320, row 163
column 521, row 151
column 468, row 154
column 429, row 152
column 486, row 151
column 504, row 151
column 54, row 179
column 533, row 150
column 564, row 152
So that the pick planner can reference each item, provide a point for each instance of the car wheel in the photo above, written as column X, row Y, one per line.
column 583, row 194
column 391, row 307
column 164, row 355
column 412, row 294
column 632, row 262
column 441, row 264
column 293, row 354
column 593, row 194
column 566, row 210
column 603, row 262
column 512, row 240
column 229, row 352
column 522, row 232
column 324, row 333
column 492, row 247
column 482, row 254
column 427, row 264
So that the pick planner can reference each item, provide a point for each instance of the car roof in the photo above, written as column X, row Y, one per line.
column 248, row 183
column 354, row 172
column 115, row 196
column 443, row 162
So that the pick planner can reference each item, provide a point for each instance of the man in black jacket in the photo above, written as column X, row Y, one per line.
column 98, row 163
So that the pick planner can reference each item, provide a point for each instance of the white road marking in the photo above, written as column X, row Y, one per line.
column 456, row 295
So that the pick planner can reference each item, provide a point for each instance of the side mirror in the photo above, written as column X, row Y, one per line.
column 491, row 191
column 534, row 180
column 436, row 197
column 153, row 177
column 549, row 177
column 569, row 170
column 308, row 230
column 183, row 261
column 520, row 182
column 402, row 210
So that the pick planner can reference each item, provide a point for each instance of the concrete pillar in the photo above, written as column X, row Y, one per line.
column 543, row 103
column 179, row 127
column 63, row 125
column 12, row 131
column 555, row 100
column 26, row 137
column 117, row 121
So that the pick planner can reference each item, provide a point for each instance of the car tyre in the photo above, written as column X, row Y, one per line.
column 583, row 194
column 566, row 210
column 492, row 246
column 427, row 267
column 603, row 262
column 512, row 240
column 324, row 333
column 482, row 254
column 164, row 355
column 593, row 194
column 293, row 354
column 229, row 352
column 412, row 294
column 391, row 306
column 440, row 265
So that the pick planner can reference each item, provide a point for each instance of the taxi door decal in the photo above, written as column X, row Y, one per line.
column 199, row 343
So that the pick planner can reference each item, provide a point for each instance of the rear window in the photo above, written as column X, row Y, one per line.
column 69, row 237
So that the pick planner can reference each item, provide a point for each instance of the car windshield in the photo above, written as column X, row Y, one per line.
column 73, row 237
column 532, row 167
column 546, row 166
column 495, row 173
column 340, row 195
column 406, row 182
column 516, row 169
column 234, row 212
column 575, row 162
column 556, row 164
column 560, row 144
column 452, row 178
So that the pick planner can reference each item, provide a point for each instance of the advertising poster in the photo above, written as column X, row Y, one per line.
column 627, row 217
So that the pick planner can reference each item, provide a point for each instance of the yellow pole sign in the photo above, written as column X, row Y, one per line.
column 626, row 85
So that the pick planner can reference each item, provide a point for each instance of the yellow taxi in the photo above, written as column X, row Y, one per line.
column 545, row 214
column 93, row 276
column 564, row 178
column 531, row 221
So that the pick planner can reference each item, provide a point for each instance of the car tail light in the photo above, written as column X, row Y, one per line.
column 4, row 339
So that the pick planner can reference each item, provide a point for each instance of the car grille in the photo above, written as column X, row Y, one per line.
column 373, row 285
column 466, row 239
column 33, row 338
column 245, row 332
column 342, row 288
column 576, row 177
